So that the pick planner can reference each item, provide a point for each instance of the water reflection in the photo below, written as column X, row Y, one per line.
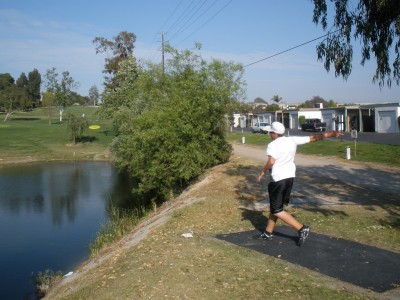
column 48, row 215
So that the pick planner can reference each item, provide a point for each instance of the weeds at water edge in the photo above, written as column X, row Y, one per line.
column 121, row 221
column 45, row 280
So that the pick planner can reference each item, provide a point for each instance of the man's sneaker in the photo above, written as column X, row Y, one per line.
column 303, row 234
column 266, row 236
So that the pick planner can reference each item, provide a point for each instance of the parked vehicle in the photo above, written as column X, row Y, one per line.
column 262, row 127
column 313, row 125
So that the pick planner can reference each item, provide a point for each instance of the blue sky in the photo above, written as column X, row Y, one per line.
column 44, row 34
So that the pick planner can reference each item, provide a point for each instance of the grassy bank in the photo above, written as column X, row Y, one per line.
column 365, row 152
column 120, row 223
column 166, row 265
column 28, row 136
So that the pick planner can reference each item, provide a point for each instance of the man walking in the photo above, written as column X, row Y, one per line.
column 280, row 164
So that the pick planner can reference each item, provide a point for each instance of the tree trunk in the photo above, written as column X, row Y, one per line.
column 61, row 113
column 7, row 115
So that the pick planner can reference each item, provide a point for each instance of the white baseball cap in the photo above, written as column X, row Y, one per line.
column 278, row 128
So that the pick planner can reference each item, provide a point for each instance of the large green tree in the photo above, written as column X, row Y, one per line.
column 13, row 96
column 33, row 88
column 62, row 88
column 375, row 23
column 22, row 84
column 6, row 80
column 170, row 124
column 22, row 81
column 12, row 99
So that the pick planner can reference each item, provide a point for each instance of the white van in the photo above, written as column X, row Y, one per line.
column 261, row 127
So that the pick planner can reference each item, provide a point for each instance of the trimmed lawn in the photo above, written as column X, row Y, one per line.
column 29, row 135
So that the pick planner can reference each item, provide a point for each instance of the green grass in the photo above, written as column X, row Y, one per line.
column 363, row 152
column 29, row 134
column 250, row 138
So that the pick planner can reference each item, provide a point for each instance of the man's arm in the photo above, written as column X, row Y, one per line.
column 324, row 135
column 268, row 166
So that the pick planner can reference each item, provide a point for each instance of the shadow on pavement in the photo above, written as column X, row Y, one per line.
column 365, row 266
column 318, row 190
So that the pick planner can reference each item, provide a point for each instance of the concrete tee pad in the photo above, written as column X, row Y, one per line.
column 365, row 266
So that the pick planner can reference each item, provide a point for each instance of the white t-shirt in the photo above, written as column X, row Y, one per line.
column 283, row 149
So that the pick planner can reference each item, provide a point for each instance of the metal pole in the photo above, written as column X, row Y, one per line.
column 355, row 148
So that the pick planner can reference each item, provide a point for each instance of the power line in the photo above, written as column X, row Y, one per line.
column 184, row 27
column 153, row 48
column 169, row 18
column 202, row 25
column 313, row 40
column 182, row 16
column 204, row 12
column 190, row 8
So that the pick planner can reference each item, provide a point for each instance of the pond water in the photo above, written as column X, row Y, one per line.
column 49, row 213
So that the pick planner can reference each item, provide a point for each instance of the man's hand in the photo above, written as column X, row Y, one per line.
column 328, row 134
column 267, row 167
column 261, row 175
column 337, row 134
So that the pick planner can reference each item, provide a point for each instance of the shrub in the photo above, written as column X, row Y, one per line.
column 76, row 126
column 171, row 124
column 302, row 119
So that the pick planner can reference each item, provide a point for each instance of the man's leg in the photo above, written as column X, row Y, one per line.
column 271, row 223
column 288, row 219
column 279, row 194
column 302, row 230
column 268, row 232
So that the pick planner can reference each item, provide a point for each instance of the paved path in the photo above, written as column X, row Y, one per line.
column 361, row 265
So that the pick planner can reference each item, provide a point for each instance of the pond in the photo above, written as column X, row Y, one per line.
column 49, row 213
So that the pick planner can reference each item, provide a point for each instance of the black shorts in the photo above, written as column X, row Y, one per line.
column 279, row 194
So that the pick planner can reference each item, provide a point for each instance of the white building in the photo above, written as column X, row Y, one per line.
column 382, row 118
column 262, row 117
column 387, row 118
column 308, row 113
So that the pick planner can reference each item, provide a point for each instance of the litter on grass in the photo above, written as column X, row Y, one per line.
column 187, row 235
column 68, row 274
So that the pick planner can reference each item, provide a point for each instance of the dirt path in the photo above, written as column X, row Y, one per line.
column 377, row 177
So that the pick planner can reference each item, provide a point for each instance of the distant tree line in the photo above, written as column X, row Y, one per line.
column 25, row 93
column 22, row 94
column 317, row 100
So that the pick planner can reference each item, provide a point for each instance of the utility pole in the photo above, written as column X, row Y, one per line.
column 162, row 50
